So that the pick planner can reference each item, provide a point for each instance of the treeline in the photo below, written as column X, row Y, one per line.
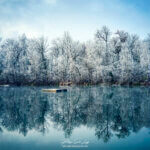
column 113, row 58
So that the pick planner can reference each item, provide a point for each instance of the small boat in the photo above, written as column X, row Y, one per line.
column 54, row 90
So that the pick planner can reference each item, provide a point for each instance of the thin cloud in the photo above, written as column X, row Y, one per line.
column 81, row 18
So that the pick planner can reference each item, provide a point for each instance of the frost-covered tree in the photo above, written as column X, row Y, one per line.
column 66, row 58
column 15, row 62
column 38, row 60
column 111, row 58
column 103, row 36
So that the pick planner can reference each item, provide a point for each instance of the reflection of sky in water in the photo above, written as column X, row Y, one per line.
column 54, row 138
column 83, row 133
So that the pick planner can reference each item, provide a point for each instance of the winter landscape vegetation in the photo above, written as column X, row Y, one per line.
column 110, row 57
column 74, row 75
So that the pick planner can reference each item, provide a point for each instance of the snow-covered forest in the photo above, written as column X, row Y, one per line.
column 111, row 57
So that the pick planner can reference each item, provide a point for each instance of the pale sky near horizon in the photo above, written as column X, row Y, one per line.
column 50, row 18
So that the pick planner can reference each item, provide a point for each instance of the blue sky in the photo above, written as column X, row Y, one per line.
column 81, row 18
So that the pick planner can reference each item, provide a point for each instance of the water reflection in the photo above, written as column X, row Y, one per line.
column 111, row 111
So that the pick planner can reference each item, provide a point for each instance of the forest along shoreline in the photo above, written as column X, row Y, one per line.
column 117, row 58
column 81, row 84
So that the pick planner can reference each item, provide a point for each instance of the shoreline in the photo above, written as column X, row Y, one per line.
column 85, row 84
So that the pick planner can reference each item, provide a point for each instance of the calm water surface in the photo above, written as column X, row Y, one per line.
column 84, row 118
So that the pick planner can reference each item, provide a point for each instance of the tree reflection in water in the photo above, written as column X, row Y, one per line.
column 111, row 111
